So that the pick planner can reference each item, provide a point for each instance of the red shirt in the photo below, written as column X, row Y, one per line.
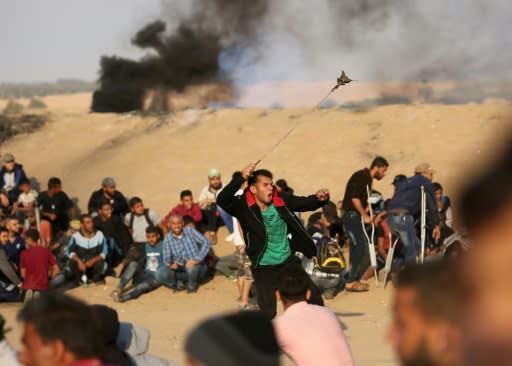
column 37, row 261
column 195, row 212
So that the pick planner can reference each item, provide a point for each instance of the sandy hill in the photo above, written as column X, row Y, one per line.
column 156, row 157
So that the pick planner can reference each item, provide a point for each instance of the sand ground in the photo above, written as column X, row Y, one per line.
column 156, row 157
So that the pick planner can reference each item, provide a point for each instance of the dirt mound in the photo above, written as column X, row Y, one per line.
column 12, row 125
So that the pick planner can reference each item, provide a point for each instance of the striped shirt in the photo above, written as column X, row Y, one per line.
column 190, row 245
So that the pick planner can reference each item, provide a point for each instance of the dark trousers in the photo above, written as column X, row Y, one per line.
column 95, row 273
column 359, row 254
column 265, row 280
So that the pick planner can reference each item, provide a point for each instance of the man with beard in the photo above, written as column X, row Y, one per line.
column 271, row 231
column 108, row 194
column 355, row 207
column 486, row 212
column 427, row 314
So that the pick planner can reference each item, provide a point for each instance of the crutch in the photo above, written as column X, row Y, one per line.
column 423, row 223
column 371, row 245
column 389, row 259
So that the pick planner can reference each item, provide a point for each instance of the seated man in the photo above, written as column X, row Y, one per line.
column 26, row 200
column 117, row 234
column 211, row 211
column 185, row 251
column 11, row 175
column 87, row 251
column 45, row 228
column 154, row 262
column 187, row 207
column 108, row 194
column 16, row 244
column 444, row 206
column 309, row 334
column 9, row 279
column 56, row 207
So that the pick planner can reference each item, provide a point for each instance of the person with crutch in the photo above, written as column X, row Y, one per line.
column 355, row 209
column 405, row 207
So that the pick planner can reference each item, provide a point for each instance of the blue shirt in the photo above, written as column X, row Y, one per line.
column 14, row 249
column 408, row 197
column 154, row 257
column 190, row 245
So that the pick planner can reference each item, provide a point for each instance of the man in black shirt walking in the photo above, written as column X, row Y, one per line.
column 355, row 210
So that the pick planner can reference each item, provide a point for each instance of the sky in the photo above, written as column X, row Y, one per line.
column 45, row 40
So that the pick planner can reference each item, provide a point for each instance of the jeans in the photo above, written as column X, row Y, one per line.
column 265, row 279
column 359, row 254
column 148, row 283
column 405, row 227
column 227, row 219
column 174, row 278
column 132, row 271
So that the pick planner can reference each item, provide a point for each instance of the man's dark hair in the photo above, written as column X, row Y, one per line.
column 293, row 285
column 437, row 186
column 3, row 229
column 440, row 287
column 379, row 162
column 32, row 234
column 24, row 181
column 283, row 184
column 133, row 201
column 488, row 194
column 84, row 216
column 105, row 203
column 54, row 182
column 58, row 317
column 187, row 220
column 185, row 193
column 260, row 172
column 154, row 229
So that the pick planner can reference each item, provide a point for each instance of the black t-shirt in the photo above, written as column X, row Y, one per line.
column 58, row 205
column 356, row 188
column 114, row 228
column 118, row 202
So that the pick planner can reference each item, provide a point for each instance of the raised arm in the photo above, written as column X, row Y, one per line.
column 309, row 203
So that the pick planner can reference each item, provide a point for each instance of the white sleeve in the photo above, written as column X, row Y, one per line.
column 155, row 218
column 126, row 219
column 449, row 217
column 203, row 195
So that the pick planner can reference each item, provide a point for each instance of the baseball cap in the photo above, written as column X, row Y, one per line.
column 7, row 158
column 75, row 224
column 108, row 182
column 330, row 212
column 424, row 168
column 213, row 173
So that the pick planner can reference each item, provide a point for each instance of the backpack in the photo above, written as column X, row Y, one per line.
column 146, row 216
column 329, row 258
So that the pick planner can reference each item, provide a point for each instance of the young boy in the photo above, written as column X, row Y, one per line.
column 36, row 264
column 26, row 200
column 154, row 261
column 16, row 244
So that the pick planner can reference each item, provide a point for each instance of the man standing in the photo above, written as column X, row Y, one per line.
column 405, row 206
column 271, row 231
column 108, row 194
column 185, row 251
column 355, row 211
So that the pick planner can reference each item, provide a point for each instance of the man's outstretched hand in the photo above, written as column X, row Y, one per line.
column 247, row 171
column 323, row 194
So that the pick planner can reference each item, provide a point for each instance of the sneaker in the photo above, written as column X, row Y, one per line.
column 229, row 238
column 249, row 307
column 116, row 296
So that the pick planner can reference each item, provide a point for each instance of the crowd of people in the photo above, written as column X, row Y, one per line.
column 438, row 305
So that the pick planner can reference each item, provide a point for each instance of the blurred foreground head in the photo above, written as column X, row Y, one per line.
column 58, row 330
column 245, row 338
column 486, row 209
column 427, row 317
